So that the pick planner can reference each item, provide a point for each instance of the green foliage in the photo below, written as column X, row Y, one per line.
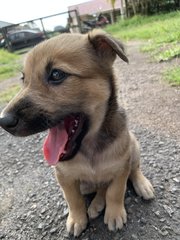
column 148, row 7
column 171, row 52
column 173, row 76
column 9, row 64
column 140, row 27
column 161, row 34
column 6, row 57
column 160, row 31
column 8, row 94
column 112, row 2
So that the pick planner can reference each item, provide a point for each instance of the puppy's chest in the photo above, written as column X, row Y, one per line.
column 99, row 169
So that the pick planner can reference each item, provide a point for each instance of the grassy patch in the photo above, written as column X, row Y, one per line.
column 8, row 94
column 161, row 33
column 9, row 64
column 173, row 76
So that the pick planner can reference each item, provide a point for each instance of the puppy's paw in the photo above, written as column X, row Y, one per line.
column 115, row 217
column 96, row 206
column 144, row 188
column 76, row 224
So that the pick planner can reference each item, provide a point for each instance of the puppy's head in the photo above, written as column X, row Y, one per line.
column 67, row 83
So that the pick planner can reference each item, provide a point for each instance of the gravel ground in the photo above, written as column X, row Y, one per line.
column 31, row 204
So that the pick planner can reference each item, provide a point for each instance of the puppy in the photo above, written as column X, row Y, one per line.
column 69, row 88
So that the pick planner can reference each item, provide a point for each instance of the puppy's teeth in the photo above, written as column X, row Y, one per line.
column 73, row 131
column 76, row 123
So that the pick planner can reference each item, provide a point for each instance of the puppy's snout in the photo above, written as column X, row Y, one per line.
column 8, row 121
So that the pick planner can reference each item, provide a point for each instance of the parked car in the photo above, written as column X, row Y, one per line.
column 61, row 29
column 2, row 43
column 23, row 38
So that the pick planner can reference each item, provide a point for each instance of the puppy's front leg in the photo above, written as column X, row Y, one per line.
column 77, row 218
column 115, row 214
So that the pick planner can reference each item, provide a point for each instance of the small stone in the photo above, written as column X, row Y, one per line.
column 40, row 226
column 65, row 212
column 127, row 200
column 168, row 210
column 163, row 233
column 157, row 213
column 44, row 233
column 161, row 143
column 43, row 210
column 130, row 211
column 53, row 230
column 161, row 187
column 136, row 200
column 134, row 237
column 32, row 195
column 173, row 189
column 10, row 181
column 162, row 220
column 176, row 180
column 34, row 206
column 116, row 238
column 29, row 213
column 143, row 221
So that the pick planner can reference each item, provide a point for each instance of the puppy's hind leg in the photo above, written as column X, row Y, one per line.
column 141, row 184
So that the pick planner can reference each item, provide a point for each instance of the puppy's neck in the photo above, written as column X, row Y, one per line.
column 112, row 125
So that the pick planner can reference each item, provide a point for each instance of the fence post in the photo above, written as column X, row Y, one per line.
column 79, row 21
column 43, row 28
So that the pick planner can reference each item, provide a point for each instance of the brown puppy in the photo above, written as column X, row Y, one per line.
column 69, row 88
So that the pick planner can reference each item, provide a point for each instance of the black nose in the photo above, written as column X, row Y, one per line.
column 8, row 121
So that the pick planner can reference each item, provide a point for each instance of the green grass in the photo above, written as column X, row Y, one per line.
column 173, row 76
column 9, row 64
column 161, row 32
column 8, row 94
column 160, row 35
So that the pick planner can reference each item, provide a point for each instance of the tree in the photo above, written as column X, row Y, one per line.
column 112, row 2
column 122, row 10
column 133, row 6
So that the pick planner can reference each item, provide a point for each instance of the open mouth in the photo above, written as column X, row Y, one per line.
column 64, row 140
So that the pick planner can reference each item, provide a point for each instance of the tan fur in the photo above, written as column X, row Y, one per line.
column 91, row 89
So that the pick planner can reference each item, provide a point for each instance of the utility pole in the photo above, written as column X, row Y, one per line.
column 122, row 9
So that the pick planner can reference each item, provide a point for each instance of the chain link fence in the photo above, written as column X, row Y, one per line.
column 30, row 33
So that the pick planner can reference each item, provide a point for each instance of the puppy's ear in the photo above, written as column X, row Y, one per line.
column 106, row 46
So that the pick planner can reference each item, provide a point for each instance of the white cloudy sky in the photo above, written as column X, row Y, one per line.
column 15, row 11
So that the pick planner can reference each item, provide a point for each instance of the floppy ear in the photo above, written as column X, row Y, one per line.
column 106, row 46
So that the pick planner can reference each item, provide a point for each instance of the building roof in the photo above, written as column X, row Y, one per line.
column 94, row 6
column 4, row 24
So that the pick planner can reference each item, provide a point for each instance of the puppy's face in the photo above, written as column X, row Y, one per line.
column 66, row 85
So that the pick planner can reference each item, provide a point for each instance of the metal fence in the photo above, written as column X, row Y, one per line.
column 30, row 33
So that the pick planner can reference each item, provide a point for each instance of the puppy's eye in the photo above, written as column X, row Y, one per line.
column 57, row 76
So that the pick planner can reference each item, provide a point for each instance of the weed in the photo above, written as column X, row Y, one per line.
column 9, row 64
column 161, row 31
column 8, row 94
column 173, row 76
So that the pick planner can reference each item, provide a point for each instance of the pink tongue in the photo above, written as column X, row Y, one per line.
column 54, row 145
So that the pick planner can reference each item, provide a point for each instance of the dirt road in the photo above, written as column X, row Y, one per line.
column 31, row 204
